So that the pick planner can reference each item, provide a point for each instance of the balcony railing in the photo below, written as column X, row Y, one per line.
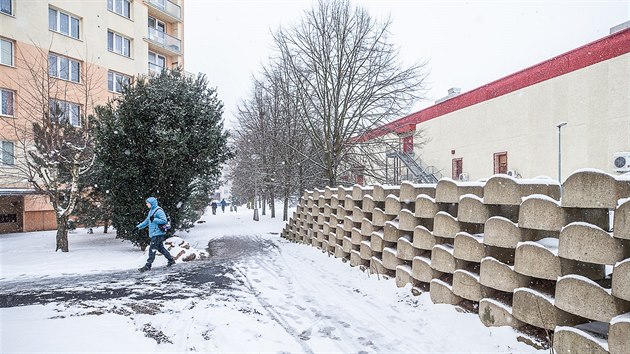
column 165, row 40
column 167, row 7
column 155, row 69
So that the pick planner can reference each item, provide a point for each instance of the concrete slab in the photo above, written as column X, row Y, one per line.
column 445, row 225
column 534, row 308
column 341, row 253
column 583, row 297
column 506, row 190
column 347, row 244
column 390, row 258
column 368, row 204
column 471, row 209
column 410, row 191
column 622, row 220
column 376, row 241
column 392, row 205
column 329, row 192
column 403, row 276
column 619, row 334
column 469, row 247
column 540, row 212
column 569, row 340
column 501, row 232
column 348, row 224
column 421, row 269
column 442, row 259
column 365, row 250
column 357, row 214
column 391, row 232
column 381, row 192
column 423, row 238
column 621, row 280
column 442, row 293
column 355, row 236
column 379, row 217
column 593, row 189
column 358, row 192
column 466, row 285
column 589, row 243
column 355, row 259
column 500, row 276
column 426, row 207
column 446, row 191
column 366, row 227
column 537, row 261
column 405, row 248
column 407, row 220
column 497, row 314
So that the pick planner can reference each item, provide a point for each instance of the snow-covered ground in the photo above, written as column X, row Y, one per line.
column 256, row 293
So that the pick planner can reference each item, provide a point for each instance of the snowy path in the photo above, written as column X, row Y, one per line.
column 257, row 293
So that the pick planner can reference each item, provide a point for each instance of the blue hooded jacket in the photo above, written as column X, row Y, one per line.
column 159, row 218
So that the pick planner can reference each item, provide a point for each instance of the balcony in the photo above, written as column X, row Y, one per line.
column 161, row 41
column 155, row 69
column 166, row 10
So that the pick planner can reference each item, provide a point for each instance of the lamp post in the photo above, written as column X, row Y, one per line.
column 560, row 125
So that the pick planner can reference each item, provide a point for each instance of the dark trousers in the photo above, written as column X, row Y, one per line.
column 157, row 244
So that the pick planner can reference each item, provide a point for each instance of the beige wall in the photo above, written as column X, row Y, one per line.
column 594, row 101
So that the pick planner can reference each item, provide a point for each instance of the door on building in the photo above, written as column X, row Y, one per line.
column 500, row 163
column 458, row 168
column 407, row 144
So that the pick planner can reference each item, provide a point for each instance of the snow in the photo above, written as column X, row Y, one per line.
column 550, row 299
column 541, row 197
column 470, row 274
column 549, row 243
column 585, row 224
column 625, row 318
column 288, row 297
column 472, row 196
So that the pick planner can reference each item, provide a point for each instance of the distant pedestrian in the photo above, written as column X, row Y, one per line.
column 155, row 218
column 214, row 207
column 223, row 204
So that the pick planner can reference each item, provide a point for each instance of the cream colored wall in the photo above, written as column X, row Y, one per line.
column 594, row 101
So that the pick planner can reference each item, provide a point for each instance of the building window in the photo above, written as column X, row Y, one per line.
column 407, row 144
column 7, row 108
column 6, row 52
column 458, row 168
column 8, row 218
column 6, row 7
column 116, row 81
column 65, row 112
column 7, row 153
column 64, row 68
column 121, row 7
column 157, row 62
column 500, row 163
column 118, row 44
column 63, row 23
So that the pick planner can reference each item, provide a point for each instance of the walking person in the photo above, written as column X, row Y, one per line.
column 214, row 207
column 223, row 204
column 155, row 218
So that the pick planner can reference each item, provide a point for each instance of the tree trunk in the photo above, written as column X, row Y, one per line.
column 62, row 234
column 285, row 206
column 264, row 205
column 105, row 226
column 272, row 205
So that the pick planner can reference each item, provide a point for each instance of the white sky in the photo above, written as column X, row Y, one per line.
column 467, row 43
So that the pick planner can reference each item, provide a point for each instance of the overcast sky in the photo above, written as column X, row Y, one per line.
column 466, row 43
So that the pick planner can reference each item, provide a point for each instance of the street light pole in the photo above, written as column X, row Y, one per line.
column 560, row 125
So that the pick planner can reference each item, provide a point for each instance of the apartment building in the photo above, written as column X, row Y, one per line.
column 105, row 42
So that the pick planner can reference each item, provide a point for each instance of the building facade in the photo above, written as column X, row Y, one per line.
column 513, row 125
column 103, row 42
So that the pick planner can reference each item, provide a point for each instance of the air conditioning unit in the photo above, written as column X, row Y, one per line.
column 621, row 162
column 463, row 176
column 512, row 173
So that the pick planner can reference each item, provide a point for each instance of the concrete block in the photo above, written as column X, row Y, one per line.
column 355, row 258
column 390, row 258
column 446, row 191
column 340, row 252
column 534, row 308
column 326, row 228
column 315, row 242
column 472, row 209
column 358, row 192
column 317, row 193
column 366, row 227
column 365, row 250
column 334, row 221
column 588, row 243
column 500, row 276
column 347, row 244
column 403, row 275
column 466, row 285
column 621, row 222
column 340, row 233
column 506, row 190
column 392, row 205
column 405, row 248
column 328, row 210
column 540, row 212
column 494, row 313
column 334, row 202
column 536, row 260
column 355, row 236
column 583, row 297
column 597, row 217
column 469, row 247
column 368, row 204
column 568, row 340
column 342, row 192
column 348, row 224
column 426, row 207
column 321, row 201
column 407, row 220
column 593, row 189
column 442, row 293
column 381, row 192
column 325, row 247
column 329, row 192
column 357, row 214
column 310, row 202
column 391, row 232
column 445, row 225
column 376, row 241
column 423, row 238
column 421, row 269
column 501, row 232
column 619, row 334
column 349, row 204
column 442, row 259
column 410, row 191
column 621, row 280
column 379, row 217
column 376, row 266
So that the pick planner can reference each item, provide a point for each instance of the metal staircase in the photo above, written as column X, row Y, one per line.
column 420, row 171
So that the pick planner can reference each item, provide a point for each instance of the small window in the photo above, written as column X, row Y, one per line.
column 6, row 7
column 7, row 153
column 8, row 218
column 63, row 23
column 7, row 99
column 121, row 7
column 65, row 112
column 458, row 168
column 6, row 52
column 500, row 163
column 116, row 81
column 118, row 44
column 157, row 62
column 64, row 68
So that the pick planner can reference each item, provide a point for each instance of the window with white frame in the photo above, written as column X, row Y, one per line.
column 7, row 153
column 121, row 7
column 6, row 7
column 7, row 99
column 118, row 44
column 117, row 81
column 6, row 52
column 157, row 62
column 63, row 23
column 64, row 68
column 65, row 112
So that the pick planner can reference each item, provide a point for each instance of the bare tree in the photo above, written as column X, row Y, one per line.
column 54, row 145
column 346, row 78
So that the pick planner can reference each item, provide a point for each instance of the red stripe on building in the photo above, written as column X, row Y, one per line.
column 600, row 50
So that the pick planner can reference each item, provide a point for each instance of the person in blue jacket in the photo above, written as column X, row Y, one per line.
column 155, row 217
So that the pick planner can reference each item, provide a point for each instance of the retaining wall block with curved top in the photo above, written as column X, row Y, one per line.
column 405, row 248
column 409, row 191
column 376, row 266
column 500, row 276
column 355, row 236
column 572, row 340
column 376, row 241
column 442, row 293
column 379, row 218
column 619, row 335
column 591, row 188
column 621, row 222
column 310, row 201
column 357, row 214
column 407, row 220
column 392, row 205
column 539, row 212
column 365, row 250
column 589, row 243
column 421, row 269
column 583, row 297
column 368, row 204
column 496, row 314
column 390, row 258
column 501, row 232
column 469, row 247
column 466, row 285
column 534, row 308
column 446, row 191
column 535, row 260
column 334, row 202
column 346, row 243
column 423, row 238
column 471, row 209
column 506, row 190
column 349, row 204
column 445, row 225
column 355, row 258
column 403, row 275
column 329, row 192
column 381, row 192
column 340, row 252
column 366, row 227
column 621, row 280
column 321, row 201
column 326, row 228
column 442, row 259
column 391, row 232
column 426, row 207
column 342, row 192
column 348, row 224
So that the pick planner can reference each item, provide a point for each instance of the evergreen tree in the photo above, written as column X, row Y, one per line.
column 162, row 137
